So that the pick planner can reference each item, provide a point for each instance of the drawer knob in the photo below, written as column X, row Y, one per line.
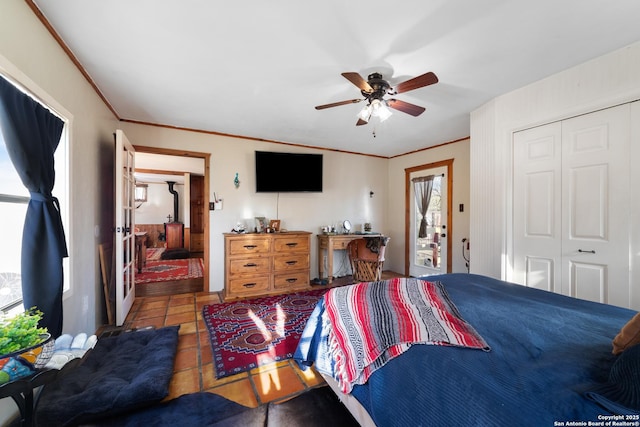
column 292, row 245
column 292, row 280
column 251, row 264
column 292, row 262
column 249, row 285
column 250, row 246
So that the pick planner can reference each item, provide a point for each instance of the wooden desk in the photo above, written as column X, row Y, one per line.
column 141, row 249
column 331, row 242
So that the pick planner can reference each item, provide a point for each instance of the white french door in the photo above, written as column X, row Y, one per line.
column 428, row 253
column 124, row 230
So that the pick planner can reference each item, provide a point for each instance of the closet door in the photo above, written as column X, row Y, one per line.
column 595, row 206
column 571, row 207
column 537, row 207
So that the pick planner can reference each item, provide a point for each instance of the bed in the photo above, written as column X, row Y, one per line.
column 549, row 362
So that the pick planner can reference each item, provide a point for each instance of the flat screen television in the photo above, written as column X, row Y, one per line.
column 288, row 172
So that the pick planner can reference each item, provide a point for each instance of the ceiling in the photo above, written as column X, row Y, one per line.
column 257, row 68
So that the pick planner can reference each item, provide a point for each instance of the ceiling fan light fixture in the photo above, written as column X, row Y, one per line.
column 380, row 110
column 383, row 111
column 365, row 113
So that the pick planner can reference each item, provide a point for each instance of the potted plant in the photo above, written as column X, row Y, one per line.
column 24, row 346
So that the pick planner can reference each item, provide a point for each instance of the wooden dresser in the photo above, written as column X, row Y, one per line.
column 262, row 264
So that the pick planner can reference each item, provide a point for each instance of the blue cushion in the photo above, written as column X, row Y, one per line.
column 621, row 394
column 120, row 373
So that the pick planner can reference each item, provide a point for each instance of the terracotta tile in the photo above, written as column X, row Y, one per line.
column 187, row 341
column 203, row 338
column 238, row 391
column 184, row 382
column 311, row 377
column 148, row 305
column 146, row 314
column 176, row 319
column 269, row 366
column 186, row 328
column 276, row 384
column 186, row 359
column 164, row 298
column 209, row 379
column 209, row 298
column 206, row 354
column 182, row 299
column 177, row 309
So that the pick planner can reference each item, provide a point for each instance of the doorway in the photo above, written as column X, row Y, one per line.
column 428, row 225
column 169, row 168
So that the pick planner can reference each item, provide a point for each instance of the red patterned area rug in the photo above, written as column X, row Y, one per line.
column 251, row 333
column 165, row 270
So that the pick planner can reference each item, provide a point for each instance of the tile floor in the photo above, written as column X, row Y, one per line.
column 193, row 369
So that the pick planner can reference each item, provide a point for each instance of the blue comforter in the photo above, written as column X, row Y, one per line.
column 546, row 351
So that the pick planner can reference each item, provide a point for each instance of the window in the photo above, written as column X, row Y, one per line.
column 14, row 198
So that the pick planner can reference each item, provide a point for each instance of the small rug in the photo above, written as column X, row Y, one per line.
column 251, row 333
column 154, row 254
column 177, row 269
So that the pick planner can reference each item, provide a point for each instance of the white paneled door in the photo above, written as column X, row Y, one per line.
column 124, row 229
column 571, row 207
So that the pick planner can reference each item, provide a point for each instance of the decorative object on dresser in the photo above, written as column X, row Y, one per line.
column 274, row 225
column 261, row 224
column 263, row 264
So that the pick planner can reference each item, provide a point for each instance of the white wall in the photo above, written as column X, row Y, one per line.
column 159, row 204
column 348, row 179
column 459, row 151
column 606, row 81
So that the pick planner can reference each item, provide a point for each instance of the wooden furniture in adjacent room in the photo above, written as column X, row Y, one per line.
column 174, row 234
column 331, row 242
column 141, row 250
column 262, row 264
column 196, row 213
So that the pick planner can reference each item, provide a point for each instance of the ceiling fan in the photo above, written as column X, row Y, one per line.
column 375, row 88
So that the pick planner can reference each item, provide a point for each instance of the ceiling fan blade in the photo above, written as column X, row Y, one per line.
column 337, row 104
column 416, row 82
column 361, row 122
column 405, row 107
column 357, row 80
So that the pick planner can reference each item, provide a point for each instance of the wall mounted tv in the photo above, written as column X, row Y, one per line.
column 288, row 172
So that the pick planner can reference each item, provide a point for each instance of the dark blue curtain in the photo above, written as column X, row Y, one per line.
column 31, row 134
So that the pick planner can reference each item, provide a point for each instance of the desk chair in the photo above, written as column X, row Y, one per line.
column 366, row 257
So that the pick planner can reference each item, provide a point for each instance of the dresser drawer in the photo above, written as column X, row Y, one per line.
column 249, row 245
column 248, row 284
column 340, row 244
column 249, row 265
column 295, row 279
column 290, row 262
column 285, row 244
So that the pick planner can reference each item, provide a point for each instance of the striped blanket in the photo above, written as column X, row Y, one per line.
column 373, row 322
